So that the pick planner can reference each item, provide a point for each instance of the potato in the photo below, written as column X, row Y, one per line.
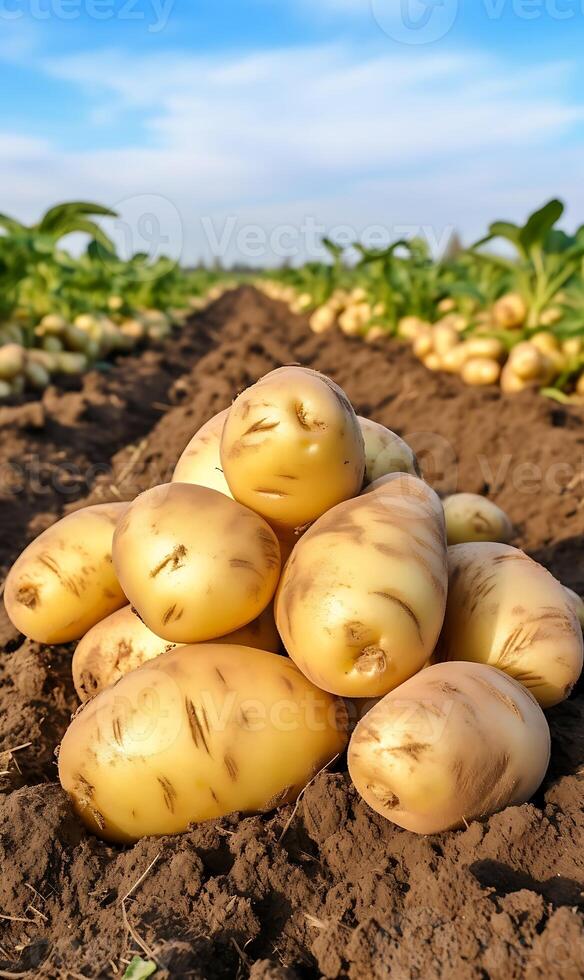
column 292, row 447
column 470, row 517
column 64, row 582
column 480, row 371
column 577, row 604
column 510, row 311
column 361, row 600
column 455, row 743
column 122, row 642
column 322, row 319
column 12, row 361
column 201, row 460
column 507, row 611
column 199, row 732
column 194, row 564
column 385, row 452
column 528, row 362
column 484, row 347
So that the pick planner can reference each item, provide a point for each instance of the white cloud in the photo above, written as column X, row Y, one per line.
column 343, row 136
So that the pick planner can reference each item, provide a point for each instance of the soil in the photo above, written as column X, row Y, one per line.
column 327, row 888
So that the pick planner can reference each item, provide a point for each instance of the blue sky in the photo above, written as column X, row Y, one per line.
column 247, row 128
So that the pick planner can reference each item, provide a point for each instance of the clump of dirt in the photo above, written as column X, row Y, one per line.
column 329, row 888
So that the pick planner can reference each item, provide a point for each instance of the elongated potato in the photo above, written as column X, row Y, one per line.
column 507, row 611
column 455, row 743
column 65, row 582
column 385, row 452
column 292, row 447
column 361, row 600
column 470, row 517
column 201, row 460
column 122, row 642
column 194, row 564
column 195, row 734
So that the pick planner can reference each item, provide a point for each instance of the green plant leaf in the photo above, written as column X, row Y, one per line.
column 139, row 969
column 539, row 224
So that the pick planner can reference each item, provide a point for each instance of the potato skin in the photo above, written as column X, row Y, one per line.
column 361, row 601
column 199, row 732
column 292, row 447
column 194, row 564
column 471, row 517
column 64, row 581
column 200, row 462
column 505, row 610
column 385, row 452
column 455, row 743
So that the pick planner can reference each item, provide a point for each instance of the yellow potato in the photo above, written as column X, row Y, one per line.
column 193, row 563
column 510, row 311
column 201, row 461
column 292, row 447
column 507, row 611
column 455, row 743
column 528, row 362
column 480, row 371
column 199, row 732
column 65, row 582
column 470, row 517
column 361, row 600
column 385, row 452
column 484, row 347
column 323, row 319
column 122, row 642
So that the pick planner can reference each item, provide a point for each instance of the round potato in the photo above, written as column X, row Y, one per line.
column 455, row 743
column 122, row 642
column 385, row 452
column 292, row 447
column 65, row 582
column 197, row 733
column 194, row 564
column 362, row 597
column 470, row 517
column 201, row 461
column 507, row 611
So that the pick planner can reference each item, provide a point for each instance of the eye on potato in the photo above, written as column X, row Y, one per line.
column 507, row 611
column 199, row 732
column 455, row 743
column 292, row 447
column 470, row 517
column 361, row 600
column 193, row 563
column 122, row 642
column 385, row 452
column 201, row 460
column 64, row 581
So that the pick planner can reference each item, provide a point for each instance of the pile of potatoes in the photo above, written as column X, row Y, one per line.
column 71, row 347
column 297, row 587
column 480, row 359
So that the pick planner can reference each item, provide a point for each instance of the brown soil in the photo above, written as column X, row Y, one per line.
column 344, row 893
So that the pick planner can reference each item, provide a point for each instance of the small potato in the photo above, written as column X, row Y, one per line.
column 470, row 517
column 510, row 311
column 444, row 338
column 361, row 600
column 488, row 347
column 511, row 383
column 385, row 452
column 528, row 362
column 64, row 582
column 292, row 447
column 455, row 743
column 122, row 642
column 198, row 733
column 505, row 610
column 12, row 361
column 409, row 327
column 432, row 361
column 323, row 319
column 200, row 462
column 194, row 564
column 480, row 371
